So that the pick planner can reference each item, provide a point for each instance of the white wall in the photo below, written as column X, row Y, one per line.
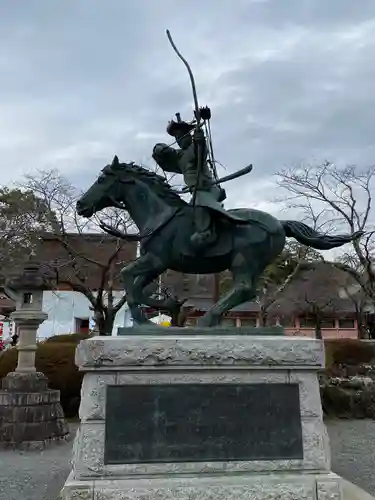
column 6, row 328
column 63, row 307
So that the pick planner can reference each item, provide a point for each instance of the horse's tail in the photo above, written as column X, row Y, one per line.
column 311, row 238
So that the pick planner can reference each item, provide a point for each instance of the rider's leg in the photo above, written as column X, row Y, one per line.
column 203, row 232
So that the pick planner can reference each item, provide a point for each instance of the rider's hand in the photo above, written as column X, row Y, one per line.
column 199, row 135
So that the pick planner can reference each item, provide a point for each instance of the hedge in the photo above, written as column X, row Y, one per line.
column 349, row 352
column 55, row 359
column 69, row 338
column 342, row 402
column 347, row 385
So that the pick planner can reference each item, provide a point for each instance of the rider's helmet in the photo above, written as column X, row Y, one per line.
column 179, row 128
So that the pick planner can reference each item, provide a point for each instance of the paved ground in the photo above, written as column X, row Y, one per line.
column 34, row 475
column 353, row 451
column 40, row 475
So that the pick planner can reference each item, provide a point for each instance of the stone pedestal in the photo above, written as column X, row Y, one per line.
column 27, row 321
column 194, row 417
column 31, row 416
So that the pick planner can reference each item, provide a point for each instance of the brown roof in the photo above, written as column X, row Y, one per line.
column 85, row 254
column 316, row 285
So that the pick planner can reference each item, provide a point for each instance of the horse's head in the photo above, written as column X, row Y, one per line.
column 105, row 192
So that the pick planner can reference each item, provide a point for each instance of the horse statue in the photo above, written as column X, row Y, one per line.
column 166, row 223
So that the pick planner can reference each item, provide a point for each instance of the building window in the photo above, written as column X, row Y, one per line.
column 346, row 323
column 328, row 323
column 228, row 322
column 248, row 322
column 307, row 322
column 82, row 325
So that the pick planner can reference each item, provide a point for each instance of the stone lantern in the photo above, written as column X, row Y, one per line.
column 27, row 291
column 30, row 413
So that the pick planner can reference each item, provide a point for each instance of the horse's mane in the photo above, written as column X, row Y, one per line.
column 156, row 182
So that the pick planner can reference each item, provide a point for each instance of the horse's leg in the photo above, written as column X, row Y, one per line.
column 135, row 277
column 141, row 282
column 129, row 275
column 243, row 290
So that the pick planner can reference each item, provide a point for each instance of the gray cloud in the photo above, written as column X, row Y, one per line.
column 84, row 79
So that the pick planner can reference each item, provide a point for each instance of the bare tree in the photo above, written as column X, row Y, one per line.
column 281, row 273
column 339, row 198
column 316, row 309
column 76, row 262
column 357, row 298
column 313, row 295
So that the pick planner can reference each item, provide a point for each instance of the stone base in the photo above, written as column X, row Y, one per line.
column 223, row 487
column 190, row 359
column 143, row 330
column 31, row 416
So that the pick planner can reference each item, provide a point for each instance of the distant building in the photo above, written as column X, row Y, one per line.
column 323, row 295
column 319, row 294
column 70, row 311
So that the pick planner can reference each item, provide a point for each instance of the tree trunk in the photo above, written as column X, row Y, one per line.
column 216, row 290
column 371, row 328
column 363, row 331
column 175, row 315
column 318, row 329
column 262, row 318
column 104, row 322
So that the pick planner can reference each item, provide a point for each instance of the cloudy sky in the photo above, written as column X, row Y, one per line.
column 287, row 81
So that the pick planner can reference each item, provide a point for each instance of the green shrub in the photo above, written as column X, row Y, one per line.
column 8, row 361
column 348, row 352
column 69, row 338
column 342, row 402
column 56, row 361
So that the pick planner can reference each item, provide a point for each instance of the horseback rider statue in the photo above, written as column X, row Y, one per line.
column 197, row 175
column 197, row 239
column 191, row 160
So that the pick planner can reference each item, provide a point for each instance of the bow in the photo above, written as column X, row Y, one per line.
column 196, row 112
column 194, row 89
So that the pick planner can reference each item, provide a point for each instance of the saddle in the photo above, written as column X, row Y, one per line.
column 223, row 230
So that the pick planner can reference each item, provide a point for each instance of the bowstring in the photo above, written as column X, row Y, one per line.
column 210, row 148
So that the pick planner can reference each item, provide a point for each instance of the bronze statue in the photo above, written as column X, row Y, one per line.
column 166, row 225
column 198, row 177
column 199, row 237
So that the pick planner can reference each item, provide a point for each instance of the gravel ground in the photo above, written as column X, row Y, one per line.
column 353, row 451
column 37, row 475
column 41, row 475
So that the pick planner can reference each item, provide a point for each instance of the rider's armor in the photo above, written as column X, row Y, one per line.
column 185, row 161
